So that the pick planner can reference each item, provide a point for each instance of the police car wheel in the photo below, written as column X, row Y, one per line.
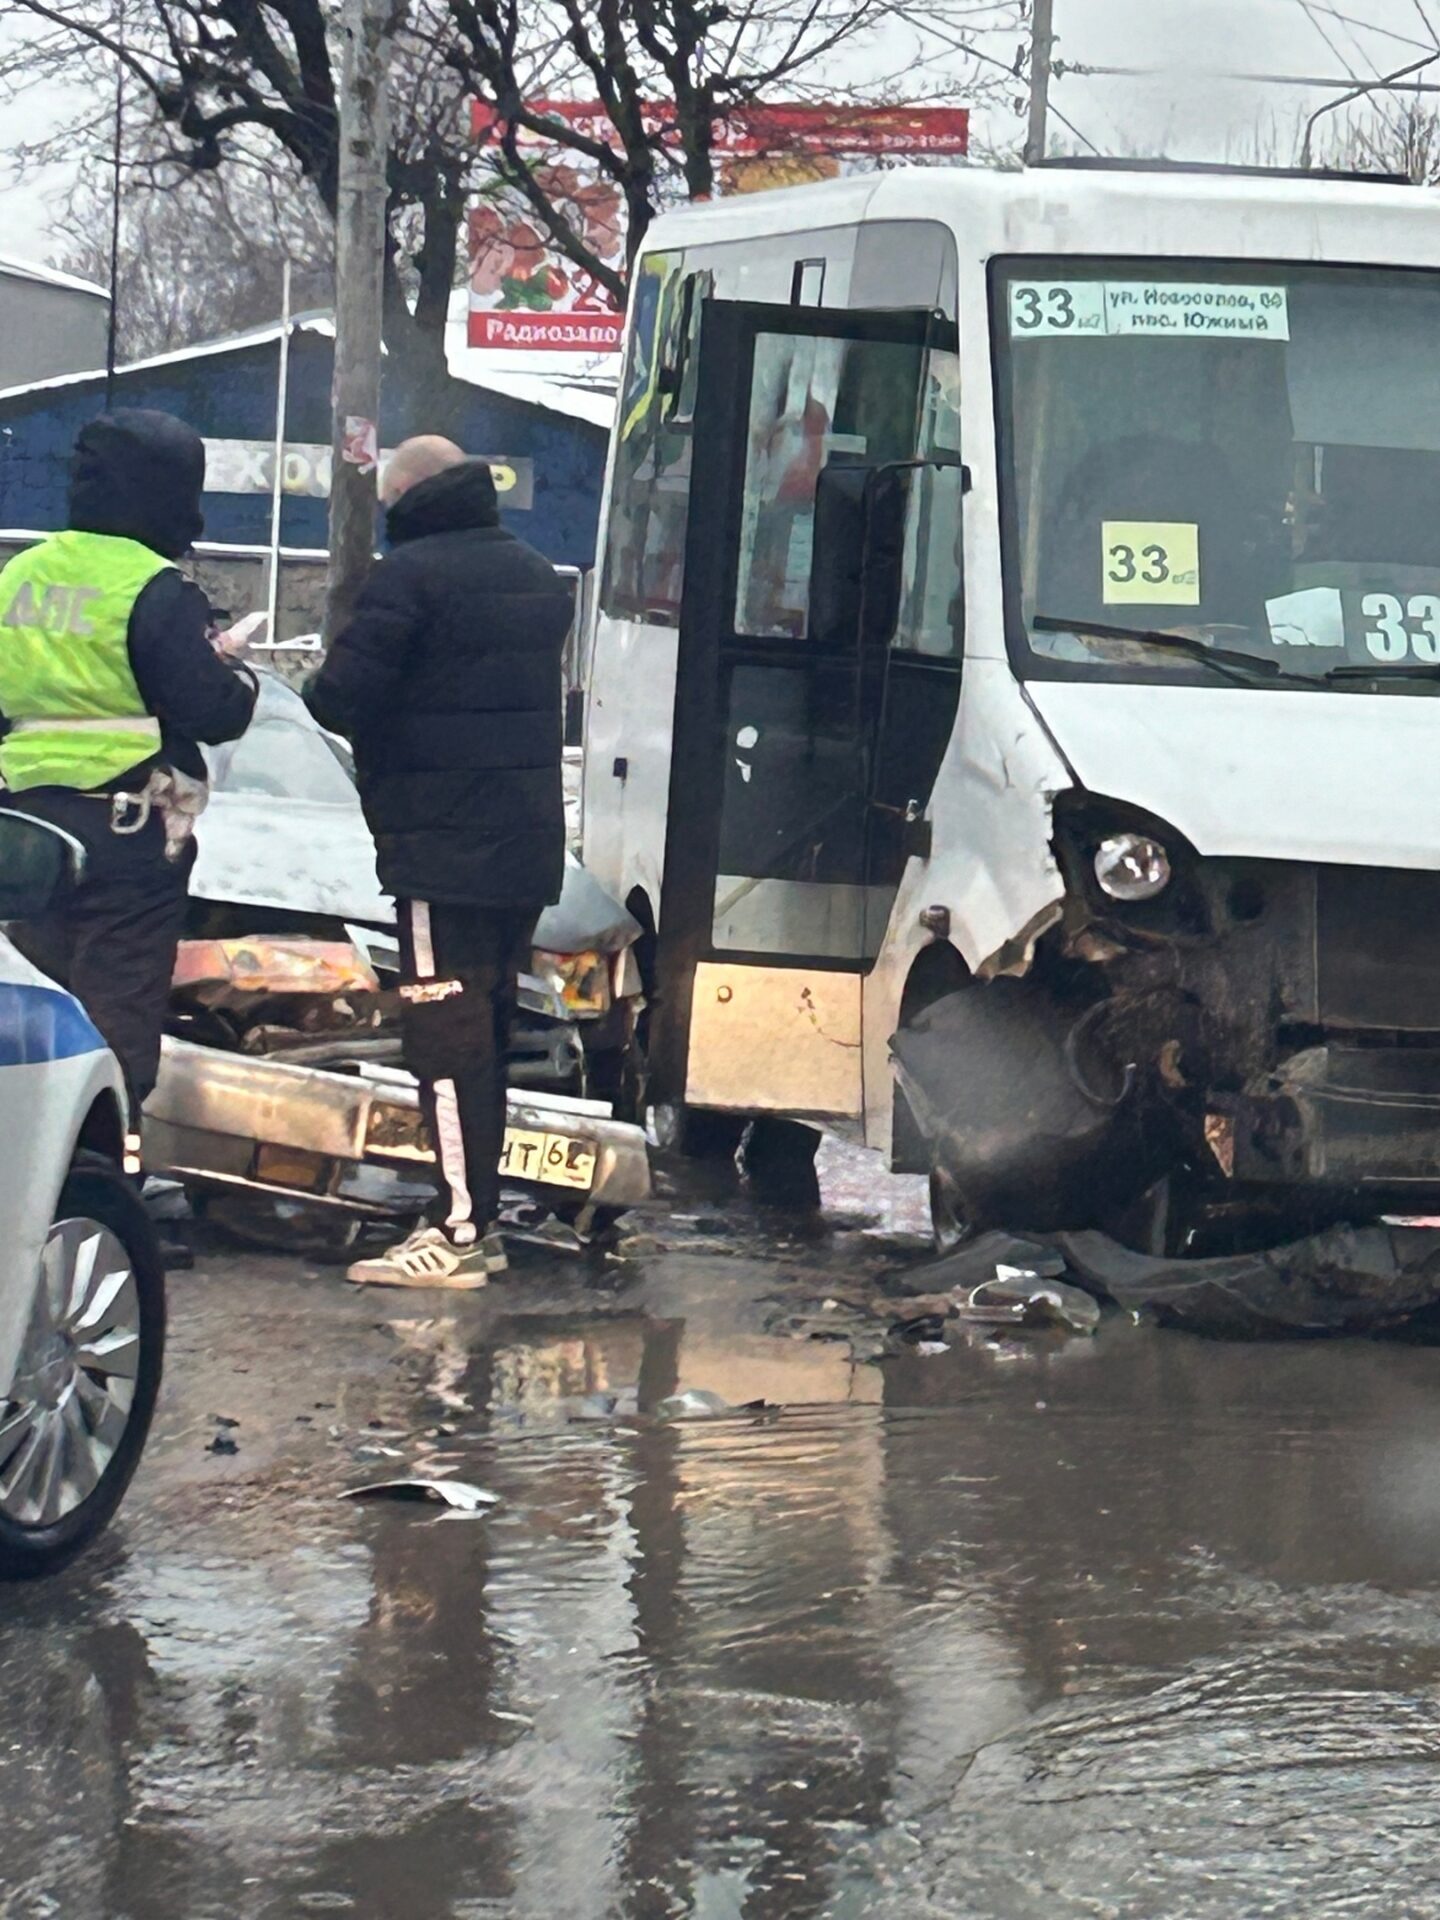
column 79, row 1408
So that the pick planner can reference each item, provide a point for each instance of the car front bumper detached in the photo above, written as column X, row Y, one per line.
column 357, row 1140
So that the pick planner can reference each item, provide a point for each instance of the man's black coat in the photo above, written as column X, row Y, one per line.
column 447, row 683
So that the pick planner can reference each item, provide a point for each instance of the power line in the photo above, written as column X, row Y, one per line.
column 1085, row 70
column 1311, row 12
column 1362, row 88
column 1369, row 26
column 1310, row 8
column 1083, row 137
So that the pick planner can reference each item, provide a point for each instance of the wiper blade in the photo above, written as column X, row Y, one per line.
column 1247, row 668
column 1386, row 670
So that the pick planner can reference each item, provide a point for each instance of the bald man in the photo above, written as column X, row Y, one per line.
column 447, row 683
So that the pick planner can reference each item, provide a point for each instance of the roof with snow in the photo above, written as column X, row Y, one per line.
column 581, row 386
column 48, row 276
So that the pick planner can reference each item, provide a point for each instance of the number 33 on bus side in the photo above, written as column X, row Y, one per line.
column 1396, row 628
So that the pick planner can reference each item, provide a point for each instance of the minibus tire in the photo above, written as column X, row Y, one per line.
column 778, row 1156
column 621, row 1075
column 706, row 1135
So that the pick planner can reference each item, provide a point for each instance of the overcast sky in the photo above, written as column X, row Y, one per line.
column 1189, row 116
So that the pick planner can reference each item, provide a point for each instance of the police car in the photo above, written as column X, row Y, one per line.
column 82, row 1295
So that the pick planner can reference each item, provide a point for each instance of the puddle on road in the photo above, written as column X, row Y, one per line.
column 1128, row 1626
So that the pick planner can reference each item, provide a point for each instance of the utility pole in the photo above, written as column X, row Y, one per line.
column 1042, row 47
column 117, row 162
column 359, row 290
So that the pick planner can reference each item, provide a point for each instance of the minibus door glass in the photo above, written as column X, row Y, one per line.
column 766, row 857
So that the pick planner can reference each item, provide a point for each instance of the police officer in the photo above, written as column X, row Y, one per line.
column 108, row 685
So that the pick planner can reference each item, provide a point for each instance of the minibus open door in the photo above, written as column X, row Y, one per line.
column 773, row 903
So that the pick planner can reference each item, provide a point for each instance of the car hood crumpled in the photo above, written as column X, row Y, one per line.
column 283, row 830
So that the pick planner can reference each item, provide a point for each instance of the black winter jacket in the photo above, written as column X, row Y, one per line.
column 139, row 474
column 447, row 683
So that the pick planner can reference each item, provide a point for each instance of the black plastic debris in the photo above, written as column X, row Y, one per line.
column 976, row 1262
column 1025, row 1111
column 1345, row 1280
column 604, row 1404
column 223, row 1443
column 923, row 1330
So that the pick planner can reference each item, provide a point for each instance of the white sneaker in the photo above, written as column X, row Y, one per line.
column 429, row 1258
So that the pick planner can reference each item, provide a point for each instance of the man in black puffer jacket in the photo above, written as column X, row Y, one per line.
column 447, row 683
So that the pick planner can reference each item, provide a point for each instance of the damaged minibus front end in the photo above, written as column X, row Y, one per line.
column 1219, row 489
column 1230, row 1034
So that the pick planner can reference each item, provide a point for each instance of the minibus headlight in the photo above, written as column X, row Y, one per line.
column 1131, row 866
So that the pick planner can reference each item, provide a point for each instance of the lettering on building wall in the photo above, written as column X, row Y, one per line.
column 248, row 466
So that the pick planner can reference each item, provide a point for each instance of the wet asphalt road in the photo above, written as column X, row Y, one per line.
column 1133, row 1626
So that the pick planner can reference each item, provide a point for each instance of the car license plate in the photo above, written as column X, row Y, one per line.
column 551, row 1158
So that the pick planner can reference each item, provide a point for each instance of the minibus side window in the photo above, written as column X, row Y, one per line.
column 650, row 494
column 931, row 618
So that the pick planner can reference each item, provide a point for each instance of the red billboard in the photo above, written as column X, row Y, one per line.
column 525, row 293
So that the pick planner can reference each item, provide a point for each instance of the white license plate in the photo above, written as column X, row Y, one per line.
column 553, row 1159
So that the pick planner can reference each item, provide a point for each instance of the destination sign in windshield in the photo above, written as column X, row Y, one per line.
column 1106, row 309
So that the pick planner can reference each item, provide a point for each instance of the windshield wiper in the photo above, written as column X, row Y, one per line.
column 1246, row 668
column 1386, row 670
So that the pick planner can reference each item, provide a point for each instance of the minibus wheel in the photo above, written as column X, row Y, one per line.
column 699, row 1134
column 621, row 1075
column 779, row 1160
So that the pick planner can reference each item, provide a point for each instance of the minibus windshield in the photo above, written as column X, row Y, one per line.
column 1245, row 455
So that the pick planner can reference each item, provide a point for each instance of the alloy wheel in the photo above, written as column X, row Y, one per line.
column 74, row 1386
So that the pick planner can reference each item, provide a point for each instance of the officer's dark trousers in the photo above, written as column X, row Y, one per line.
column 459, row 969
column 112, row 939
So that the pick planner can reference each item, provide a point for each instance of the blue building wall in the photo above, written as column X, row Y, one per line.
column 231, row 395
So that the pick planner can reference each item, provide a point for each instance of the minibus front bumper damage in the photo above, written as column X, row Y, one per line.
column 1268, row 1030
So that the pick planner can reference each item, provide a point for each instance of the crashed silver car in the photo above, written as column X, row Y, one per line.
column 281, row 1073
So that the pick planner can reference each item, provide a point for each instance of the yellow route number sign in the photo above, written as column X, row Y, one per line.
column 1151, row 563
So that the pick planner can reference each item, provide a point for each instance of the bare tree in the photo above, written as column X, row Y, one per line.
column 200, row 257
column 1405, row 141
column 1396, row 134
column 221, row 85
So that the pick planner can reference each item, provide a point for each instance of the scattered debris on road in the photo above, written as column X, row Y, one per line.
column 1018, row 1297
column 695, row 1403
column 459, row 1494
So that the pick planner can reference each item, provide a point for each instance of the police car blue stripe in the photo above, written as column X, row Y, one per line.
column 42, row 1023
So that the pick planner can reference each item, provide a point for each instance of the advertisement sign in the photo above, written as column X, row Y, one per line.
column 248, row 466
column 526, row 293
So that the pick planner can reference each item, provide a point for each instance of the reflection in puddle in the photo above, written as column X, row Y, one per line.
column 1129, row 1626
